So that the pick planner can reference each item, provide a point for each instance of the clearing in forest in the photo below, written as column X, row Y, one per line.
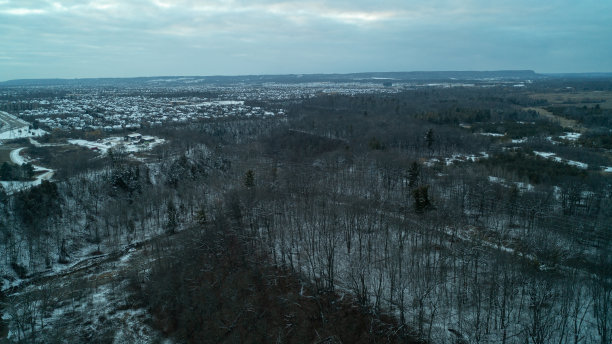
column 564, row 122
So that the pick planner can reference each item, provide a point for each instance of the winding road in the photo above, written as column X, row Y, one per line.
column 14, row 186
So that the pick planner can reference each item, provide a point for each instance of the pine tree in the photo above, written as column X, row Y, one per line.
column 375, row 144
column 421, row 199
column 413, row 174
column 28, row 171
column 249, row 179
column 172, row 218
column 6, row 172
column 201, row 217
column 429, row 138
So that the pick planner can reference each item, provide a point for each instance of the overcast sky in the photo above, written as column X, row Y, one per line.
column 118, row 38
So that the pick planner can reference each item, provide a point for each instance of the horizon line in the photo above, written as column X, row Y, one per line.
column 303, row 74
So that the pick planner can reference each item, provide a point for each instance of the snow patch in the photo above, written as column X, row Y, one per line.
column 103, row 145
column 222, row 102
column 546, row 155
column 455, row 158
column 578, row 164
column 552, row 156
column 22, row 132
column 520, row 185
column 38, row 144
column 496, row 179
column 570, row 136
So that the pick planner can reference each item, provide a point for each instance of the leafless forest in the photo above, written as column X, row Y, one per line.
column 429, row 214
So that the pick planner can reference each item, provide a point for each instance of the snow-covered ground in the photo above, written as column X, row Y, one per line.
column 521, row 186
column 22, row 132
column 13, row 127
column 97, row 307
column 16, row 186
column 104, row 145
column 455, row 158
column 578, row 164
column 38, row 144
column 222, row 102
column 553, row 156
column 16, row 157
column 546, row 155
column 570, row 136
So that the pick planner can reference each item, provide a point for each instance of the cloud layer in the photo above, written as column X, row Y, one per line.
column 76, row 38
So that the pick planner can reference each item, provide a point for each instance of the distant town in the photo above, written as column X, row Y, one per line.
column 181, row 100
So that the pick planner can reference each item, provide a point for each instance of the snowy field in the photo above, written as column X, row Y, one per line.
column 11, row 127
column 22, row 132
column 570, row 136
column 103, row 145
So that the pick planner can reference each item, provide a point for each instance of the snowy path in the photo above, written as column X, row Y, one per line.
column 38, row 144
column 16, row 186
column 16, row 158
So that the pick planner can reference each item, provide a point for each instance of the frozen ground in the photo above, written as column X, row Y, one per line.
column 103, row 145
column 87, row 305
column 22, row 132
column 492, row 134
column 571, row 136
column 522, row 140
column 42, row 173
column 521, row 186
column 12, row 127
column 553, row 156
column 456, row 158
column 35, row 143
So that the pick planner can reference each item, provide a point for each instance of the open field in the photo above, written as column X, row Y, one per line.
column 589, row 99
column 564, row 122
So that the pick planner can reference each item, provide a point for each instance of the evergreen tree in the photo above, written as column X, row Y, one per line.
column 413, row 174
column 172, row 222
column 421, row 199
column 27, row 171
column 375, row 144
column 201, row 217
column 249, row 179
column 429, row 138
column 6, row 172
column 3, row 326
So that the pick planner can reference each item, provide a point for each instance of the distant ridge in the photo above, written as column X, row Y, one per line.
column 580, row 75
column 291, row 78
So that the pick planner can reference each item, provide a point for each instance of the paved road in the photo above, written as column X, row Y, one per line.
column 10, row 122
